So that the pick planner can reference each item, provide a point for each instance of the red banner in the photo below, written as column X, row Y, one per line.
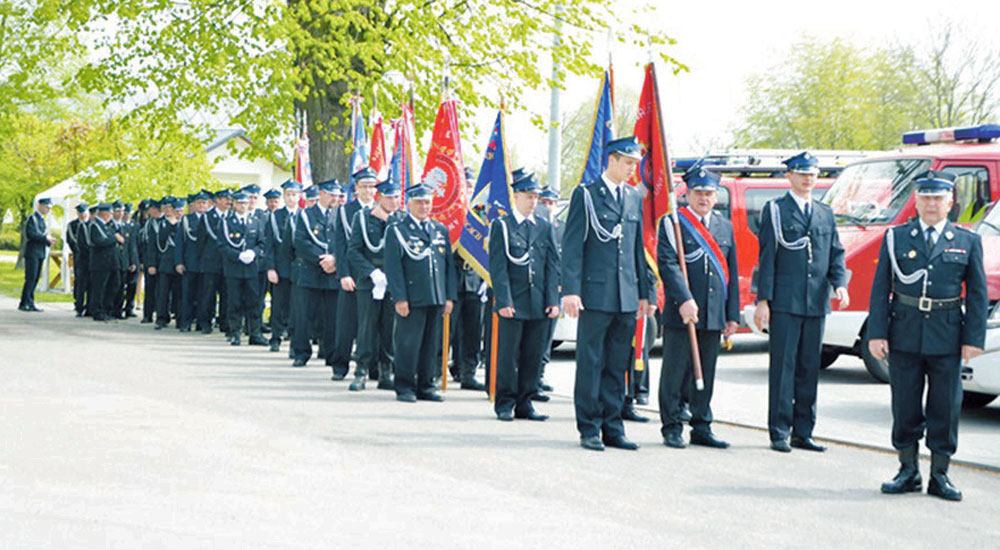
column 444, row 171
column 377, row 160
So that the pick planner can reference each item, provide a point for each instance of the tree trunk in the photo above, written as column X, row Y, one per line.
column 329, row 131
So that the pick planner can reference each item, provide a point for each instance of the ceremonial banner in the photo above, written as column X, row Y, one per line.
column 603, row 132
column 377, row 157
column 303, row 171
column 403, row 150
column 359, row 140
column 444, row 171
column 490, row 200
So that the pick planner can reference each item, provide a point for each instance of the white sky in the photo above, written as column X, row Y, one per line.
column 724, row 42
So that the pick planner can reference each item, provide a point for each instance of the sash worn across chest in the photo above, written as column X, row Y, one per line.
column 708, row 245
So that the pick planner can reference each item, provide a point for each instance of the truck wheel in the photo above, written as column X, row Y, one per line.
column 879, row 369
column 976, row 400
column 828, row 357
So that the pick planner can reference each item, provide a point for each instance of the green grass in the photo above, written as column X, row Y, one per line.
column 11, row 281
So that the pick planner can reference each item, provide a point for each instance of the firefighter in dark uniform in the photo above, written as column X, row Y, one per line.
column 213, row 299
column 800, row 259
column 524, row 270
column 365, row 180
column 271, row 198
column 604, row 284
column 81, row 269
column 466, row 323
column 258, row 215
column 916, row 318
column 104, row 262
column 241, row 244
column 315, row 272
column 376, row 318
column 36, row 243
column 278, row 235
column 709, row 298
column 549, row 198
column 128, row 260
column 168, row 283
column 421, row 278
column 131, row 283
column 188, row 257
column 148, row 236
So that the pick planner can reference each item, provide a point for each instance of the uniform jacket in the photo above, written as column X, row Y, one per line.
column 208, row 233
column 236, row 236
column 314, row 234
column 189, row 246
column 468, row 279
column 344, row 215
column 77, row 242
column 608, row 276
column 278, row 233
column 36, row 238
column 422, row 282
column 795, row 281
column 956, row 258
column 103, row 252
column 262, row 216
column 715, row 307
column 166, row 244
column 363, row 259
column 530, row 288
column 150, row 235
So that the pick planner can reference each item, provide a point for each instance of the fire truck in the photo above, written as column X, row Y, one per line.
column 876, row 193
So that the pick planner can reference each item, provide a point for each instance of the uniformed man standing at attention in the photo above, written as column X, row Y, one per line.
column 168, row 283
column 421, row 279
column 376, row 318
column 709, row 298
column 549, row 199
column 916, row 318
column 800, row 259
column 78, row 245
column 241, row 244
column 524, row 270
column 347, row 305
column 128, row 259
column 604, row 283
column 36, row 243
column 131, row 282
column 315, row 269
column 148, row 236
column 466, row 323
column 213, row 296
column 188, row 257
column 104, row 262
column 278, row 235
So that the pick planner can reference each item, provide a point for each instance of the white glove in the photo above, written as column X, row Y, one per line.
column 482, row 292
column 247, row 256
column 378, row 277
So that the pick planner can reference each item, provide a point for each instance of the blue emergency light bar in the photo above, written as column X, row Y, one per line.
column 982, row 133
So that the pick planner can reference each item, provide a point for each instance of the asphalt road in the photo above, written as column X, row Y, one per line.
column 118, row 436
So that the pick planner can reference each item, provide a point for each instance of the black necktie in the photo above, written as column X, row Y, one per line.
column 930, row 238
column 808, row 211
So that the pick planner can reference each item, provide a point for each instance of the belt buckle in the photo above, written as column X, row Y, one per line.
column 924, row 303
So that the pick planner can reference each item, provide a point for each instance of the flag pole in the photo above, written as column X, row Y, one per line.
column 446, row 325
column 699, row 379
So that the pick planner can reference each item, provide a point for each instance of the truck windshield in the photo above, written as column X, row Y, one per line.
column 873, row 192
column 990, row 225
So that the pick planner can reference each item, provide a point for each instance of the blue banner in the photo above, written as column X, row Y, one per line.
column 490, row 199
column 604, row 118
column 359, row 156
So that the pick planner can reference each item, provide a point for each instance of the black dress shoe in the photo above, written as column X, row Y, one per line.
column 473, row 385
column 358, row 383
column 145, row 321
column 130, row 314
column 275, row 346
column 941, row 487
column 540, row 397
column 159, row 326
column 621, row 442
column 544, row 386
column 79, row 314
column 258, row 341
column 234, row 341
column 299, row 363
column 631, row 415
column 406, row 398
column 686, row 413
column 592, row 443
column 675, row 441
column 505, row 416
column 780, row 445
column 179, row 329
column 430, row 397
column 906, row 481
column 385, row 382
column 532, row 415
column 338, row 376
column 32, row 308
column 708, row 440
column 807, row 444
column 642, row 400
column 207, row 330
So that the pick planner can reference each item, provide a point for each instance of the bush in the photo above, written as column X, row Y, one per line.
column 10, row 238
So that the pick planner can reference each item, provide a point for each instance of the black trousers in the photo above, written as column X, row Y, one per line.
column 793, row 374
column 263, row 287
column 320, row 304
column 100, row 285
column 911, row 418
column 520, row 345
column 466, row 335
column 149, row 300
column 416, row 348
column 32, row 271
column 676, row 384
column 281, row 308
column 242, row 295
column 638, row 380
column 347, row 331
column 213, row 298
column 547, row 354
column 168, row 294
column 81, row 283
column 131, row 287
column 603, row 341
column 118, row 305
column 191, row 286
column 375, row 323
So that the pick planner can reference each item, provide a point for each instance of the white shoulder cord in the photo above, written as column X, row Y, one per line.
column 799, row 243
column 907, row 279
column 86, row 233
column 600, row 232
column 422, row 255
column 274, row 228
column 364, row 234
column 305, row 219
column 689, row 257
column 101, row 229
column 208, row 226
column 170, row 242
column 523, row 260
column 345, row 222
column 225, row 232
column 187, row 230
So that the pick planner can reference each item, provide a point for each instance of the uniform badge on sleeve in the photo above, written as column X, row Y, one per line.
column 912, row 254
column 914, row 232
column 949, row 235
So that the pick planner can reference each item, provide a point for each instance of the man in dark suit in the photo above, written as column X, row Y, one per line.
column 365, row 180
column 148, row 260
column 376, row 318
column 315, row 269
column 104, row 262
column 188, row 258
column 278, row 234
column 604, row 284
column 81, row 269
column 524, row 270
column 421, row 279
column 800, row 260
column 213, row 296
column 36, row 243
column 241, row 244
column 131, row 282
column 549, row 199
column 916, row 318
column 709, row 298
column 127, row 261
column 168, row 284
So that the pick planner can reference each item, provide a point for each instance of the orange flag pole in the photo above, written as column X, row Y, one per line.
column 444, row 352
column 493, row 358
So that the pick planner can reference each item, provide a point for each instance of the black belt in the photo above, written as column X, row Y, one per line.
column 924, row 303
